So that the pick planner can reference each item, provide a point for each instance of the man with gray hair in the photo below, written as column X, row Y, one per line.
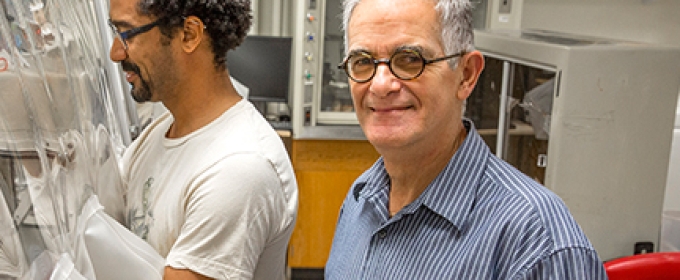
column 438, row 204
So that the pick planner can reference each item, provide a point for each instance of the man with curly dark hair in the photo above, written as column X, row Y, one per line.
column 209, row 184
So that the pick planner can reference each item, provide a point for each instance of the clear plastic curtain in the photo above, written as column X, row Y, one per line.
column 60, row 135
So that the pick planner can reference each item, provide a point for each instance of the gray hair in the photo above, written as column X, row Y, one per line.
column 455, row 19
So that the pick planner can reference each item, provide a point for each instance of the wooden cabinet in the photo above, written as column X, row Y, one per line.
column 325, row 170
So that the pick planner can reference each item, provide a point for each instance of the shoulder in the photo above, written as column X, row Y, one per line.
column 243, row 128
column 245, row 171
column 240, row 134
column 526, row 193
column 539, row 236
column 533, row 213
column 245, row 176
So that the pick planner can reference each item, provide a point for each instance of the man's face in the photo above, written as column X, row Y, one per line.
column 148, row 64
column 397, row 113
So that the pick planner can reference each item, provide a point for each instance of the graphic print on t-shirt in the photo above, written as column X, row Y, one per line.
column 139, row 219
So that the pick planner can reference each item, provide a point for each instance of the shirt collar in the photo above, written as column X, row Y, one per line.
column 452, row 193
column 373, row 181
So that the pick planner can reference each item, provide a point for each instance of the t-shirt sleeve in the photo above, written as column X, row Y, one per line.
column 231, row 212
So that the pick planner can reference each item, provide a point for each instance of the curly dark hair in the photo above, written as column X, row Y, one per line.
column 227, row 21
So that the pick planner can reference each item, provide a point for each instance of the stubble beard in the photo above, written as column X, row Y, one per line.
column 141, row 94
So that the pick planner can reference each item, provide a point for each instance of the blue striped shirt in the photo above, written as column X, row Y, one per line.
column 479, row 219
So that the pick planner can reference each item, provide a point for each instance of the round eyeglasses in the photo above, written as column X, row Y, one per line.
column 404, row 64
column 128, row 34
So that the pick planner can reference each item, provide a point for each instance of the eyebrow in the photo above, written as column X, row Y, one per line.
column 121, row 23
column 416, row 48
column 358, row 51
column 422, row 51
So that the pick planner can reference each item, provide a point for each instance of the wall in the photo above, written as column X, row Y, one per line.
column 638, row 20
column 271, row 17
column 652, row 21
column 498, row 18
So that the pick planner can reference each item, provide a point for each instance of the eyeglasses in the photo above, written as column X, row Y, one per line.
column 406, row 64
column 125, row 35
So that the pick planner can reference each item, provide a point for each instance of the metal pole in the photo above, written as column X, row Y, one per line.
column 503, row 123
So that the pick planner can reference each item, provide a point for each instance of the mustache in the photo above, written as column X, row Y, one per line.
column 129, row 66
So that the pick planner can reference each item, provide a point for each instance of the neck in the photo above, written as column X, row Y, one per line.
column 200, row 101
column 412, row 173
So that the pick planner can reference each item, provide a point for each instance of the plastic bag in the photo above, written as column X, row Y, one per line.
column 537, row 105
column 65, row 270
column 12, row 262
column 114, row 251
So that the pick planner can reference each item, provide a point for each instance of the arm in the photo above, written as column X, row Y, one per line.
column 181, row 274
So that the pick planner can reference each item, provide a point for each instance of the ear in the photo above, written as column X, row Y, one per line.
column 472, row 66
column 193, row 33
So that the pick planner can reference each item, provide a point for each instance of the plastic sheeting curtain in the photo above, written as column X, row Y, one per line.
column 60, row 135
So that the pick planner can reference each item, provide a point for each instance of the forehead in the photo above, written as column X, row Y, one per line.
column 384, row 25
column 124, row 11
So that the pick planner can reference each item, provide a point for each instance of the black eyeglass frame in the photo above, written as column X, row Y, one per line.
column 376, row 62
column 128, row 34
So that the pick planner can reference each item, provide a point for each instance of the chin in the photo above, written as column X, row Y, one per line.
column 386, row 139
column 141, row 96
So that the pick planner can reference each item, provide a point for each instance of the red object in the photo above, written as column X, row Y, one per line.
column 4, row 65
column 664, row 265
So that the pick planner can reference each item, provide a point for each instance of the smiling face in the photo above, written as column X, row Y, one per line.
column 396, row 113
column 148, row 62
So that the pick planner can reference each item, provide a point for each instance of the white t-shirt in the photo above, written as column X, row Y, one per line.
column 221, row 201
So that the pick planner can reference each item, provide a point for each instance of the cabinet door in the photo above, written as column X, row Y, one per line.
column 518, row 133
column 325, row 171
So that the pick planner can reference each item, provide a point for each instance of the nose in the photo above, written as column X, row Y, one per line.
column 384, row 82
column 117, row 52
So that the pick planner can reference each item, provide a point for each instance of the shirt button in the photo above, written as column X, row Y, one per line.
column 382, row 233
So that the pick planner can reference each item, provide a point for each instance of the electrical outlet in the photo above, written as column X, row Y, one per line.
column 504, row 6
column 643, row 248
